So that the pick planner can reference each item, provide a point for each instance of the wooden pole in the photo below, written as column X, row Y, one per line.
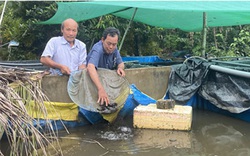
column 1, row 18
column 204, row 35
column 132, row 18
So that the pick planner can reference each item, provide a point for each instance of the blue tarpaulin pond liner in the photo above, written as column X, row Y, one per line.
column 147, row 61
column 87, row 117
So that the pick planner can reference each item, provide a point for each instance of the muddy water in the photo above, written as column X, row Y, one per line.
column 211, row 135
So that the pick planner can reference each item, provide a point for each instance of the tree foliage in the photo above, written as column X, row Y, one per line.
column 241, row 44
column 20, row 24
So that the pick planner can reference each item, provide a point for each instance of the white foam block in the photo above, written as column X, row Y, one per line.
column 179, row 118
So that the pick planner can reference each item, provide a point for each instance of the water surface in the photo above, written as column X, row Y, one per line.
column 211, row 135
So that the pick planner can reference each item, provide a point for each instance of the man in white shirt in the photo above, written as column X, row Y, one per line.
column 64, row 54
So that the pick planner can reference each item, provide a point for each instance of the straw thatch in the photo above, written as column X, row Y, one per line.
column 17, row 88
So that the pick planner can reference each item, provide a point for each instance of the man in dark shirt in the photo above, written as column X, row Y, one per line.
column 105, row 54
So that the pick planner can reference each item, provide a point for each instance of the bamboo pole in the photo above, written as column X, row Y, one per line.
column 1, row 18
column 132, row 18
column 204, row 35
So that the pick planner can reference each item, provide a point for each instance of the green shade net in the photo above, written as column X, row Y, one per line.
column 185, row 15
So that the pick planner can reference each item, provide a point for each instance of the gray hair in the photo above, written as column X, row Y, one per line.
column 62, row 25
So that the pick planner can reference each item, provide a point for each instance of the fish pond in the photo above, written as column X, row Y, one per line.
column 211, row 134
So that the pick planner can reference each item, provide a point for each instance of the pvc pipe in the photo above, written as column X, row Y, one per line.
column 230, row 71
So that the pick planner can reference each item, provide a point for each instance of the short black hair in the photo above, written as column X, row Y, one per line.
column 112, row 31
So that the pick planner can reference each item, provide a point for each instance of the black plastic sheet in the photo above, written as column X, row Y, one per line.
column 185, row 79
column 228, row 92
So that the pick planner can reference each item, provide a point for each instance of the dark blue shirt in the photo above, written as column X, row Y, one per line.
column 100, row 59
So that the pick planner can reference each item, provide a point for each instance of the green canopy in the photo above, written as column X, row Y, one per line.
column 185, row 15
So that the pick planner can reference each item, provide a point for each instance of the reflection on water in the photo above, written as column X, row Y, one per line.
column 162, row 139
column 219, row 135
column 211, row 135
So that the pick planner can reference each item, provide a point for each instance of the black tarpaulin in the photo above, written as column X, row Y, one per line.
column 226, row 91
column 185, row 79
